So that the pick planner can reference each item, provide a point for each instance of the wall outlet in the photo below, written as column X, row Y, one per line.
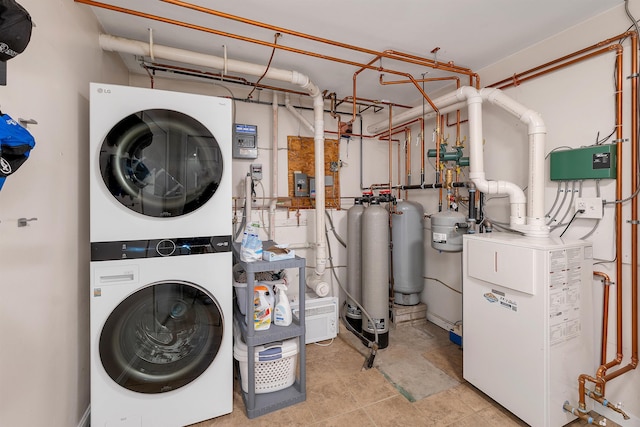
column 592, row 206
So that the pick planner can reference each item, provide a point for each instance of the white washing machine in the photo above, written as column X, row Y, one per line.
column 160, row 164
column 161, row 332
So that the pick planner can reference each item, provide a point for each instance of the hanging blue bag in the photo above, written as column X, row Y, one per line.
column 16, row 144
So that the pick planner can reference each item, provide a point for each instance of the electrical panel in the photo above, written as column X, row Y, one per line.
column 301, row 184
column 245, row 141
column 595, row 162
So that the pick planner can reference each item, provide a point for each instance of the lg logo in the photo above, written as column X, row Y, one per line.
column 5, row 167
column 100, row 90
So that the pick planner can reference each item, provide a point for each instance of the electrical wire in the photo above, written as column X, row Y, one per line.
column 555, row 201
column 275, row 41
column 442, row 283
column 573, row 193
column 564, row 198
column 333, row 230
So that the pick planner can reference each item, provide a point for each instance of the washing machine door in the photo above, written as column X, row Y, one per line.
column 161, row 163
column 161, row 337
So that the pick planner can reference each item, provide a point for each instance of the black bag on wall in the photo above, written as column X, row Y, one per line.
column 15, row 29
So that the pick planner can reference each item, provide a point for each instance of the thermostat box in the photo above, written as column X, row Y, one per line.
column 595, row 162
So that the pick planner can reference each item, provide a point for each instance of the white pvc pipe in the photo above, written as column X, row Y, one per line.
column 274, row 169
column 134, row 47
column 526, row 218
column 537, row 133
column 297, row 115
column 476, row 160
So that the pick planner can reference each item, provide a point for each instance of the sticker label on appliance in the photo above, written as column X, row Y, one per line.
column 565, row 273
column 380, row 324
column 440, row 237
column 501, row 299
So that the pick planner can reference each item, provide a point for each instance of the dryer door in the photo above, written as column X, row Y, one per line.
column 162, row 337
column 161, row 163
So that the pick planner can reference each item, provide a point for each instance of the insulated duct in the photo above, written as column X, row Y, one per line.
column 134, row 47
column 527, row 219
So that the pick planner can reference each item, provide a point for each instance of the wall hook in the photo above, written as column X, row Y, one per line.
column 25, row 122
column 23, row 222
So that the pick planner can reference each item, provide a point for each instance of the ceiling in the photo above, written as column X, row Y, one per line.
column 472, row 34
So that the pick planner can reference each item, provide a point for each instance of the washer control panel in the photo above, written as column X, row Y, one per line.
column 133, row 249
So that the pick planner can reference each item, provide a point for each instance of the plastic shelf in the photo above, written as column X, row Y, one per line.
column 264, row 403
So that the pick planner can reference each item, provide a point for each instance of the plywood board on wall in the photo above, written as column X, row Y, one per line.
column 301, row 158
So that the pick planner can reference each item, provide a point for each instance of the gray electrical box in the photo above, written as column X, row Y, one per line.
column 245, row 141
column 301, row 185
column 328, row 182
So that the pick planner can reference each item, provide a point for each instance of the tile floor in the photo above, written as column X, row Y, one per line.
column 416, row 381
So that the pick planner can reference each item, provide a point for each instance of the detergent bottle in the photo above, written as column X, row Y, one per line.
column 282, row 312
column 261, row 309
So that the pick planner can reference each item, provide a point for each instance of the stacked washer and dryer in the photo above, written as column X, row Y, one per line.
column 161, row 261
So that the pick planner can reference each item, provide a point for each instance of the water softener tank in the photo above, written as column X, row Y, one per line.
column 354, row 264
column 375, row 272
column 408, row 252
column 447, row 229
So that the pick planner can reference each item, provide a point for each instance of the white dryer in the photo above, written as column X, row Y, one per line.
column 160, row 164
column 161, row 332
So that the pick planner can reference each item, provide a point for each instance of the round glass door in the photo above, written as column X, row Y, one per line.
column 161, row 163
column 161, row 337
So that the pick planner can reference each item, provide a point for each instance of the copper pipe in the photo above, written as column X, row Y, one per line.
column 391, row 54
column 415, row 83
column 404, row 57
column 517, row 81
column 605, row 315
column 432, row 79
column 355, row 86
column 564, row 58
column 618, row 226
column 397, row 129
column 604, row 402
column 581, row 388
column 634, row 203
column 583, row 415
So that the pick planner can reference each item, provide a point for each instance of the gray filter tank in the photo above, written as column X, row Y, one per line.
column 446, row 235
column 354, row 263
column 375, row 272
column 408, row 253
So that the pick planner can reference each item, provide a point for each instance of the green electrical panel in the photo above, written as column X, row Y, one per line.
column 595, row 162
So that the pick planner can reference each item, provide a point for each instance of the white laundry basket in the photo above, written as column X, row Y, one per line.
column 275, row 365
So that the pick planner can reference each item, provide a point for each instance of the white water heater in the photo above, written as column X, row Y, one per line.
column 528, row 322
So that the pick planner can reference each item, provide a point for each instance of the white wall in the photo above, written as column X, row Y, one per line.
column 44, row 295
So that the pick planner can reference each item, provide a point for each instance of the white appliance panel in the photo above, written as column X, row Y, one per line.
column 207, row 396
column 110, row 219
column 526, row 345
